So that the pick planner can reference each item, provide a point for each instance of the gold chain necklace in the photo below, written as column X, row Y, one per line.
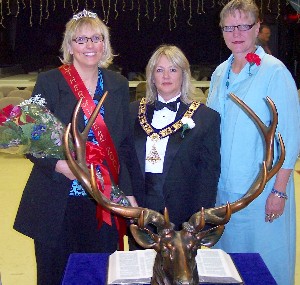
column 156, row 135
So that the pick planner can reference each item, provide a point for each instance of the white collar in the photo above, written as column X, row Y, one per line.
column 159, row 98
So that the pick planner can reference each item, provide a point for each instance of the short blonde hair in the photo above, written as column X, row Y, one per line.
column 95, row 24
column 177, row 57
column 247, row 7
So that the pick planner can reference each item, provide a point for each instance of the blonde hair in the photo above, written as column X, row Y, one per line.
column 95, row 24
column 177, row 57
column 247, row 7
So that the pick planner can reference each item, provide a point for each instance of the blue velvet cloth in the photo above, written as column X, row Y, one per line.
column 91, row 269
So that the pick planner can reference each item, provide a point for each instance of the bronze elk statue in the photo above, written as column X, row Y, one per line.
column 176, row 250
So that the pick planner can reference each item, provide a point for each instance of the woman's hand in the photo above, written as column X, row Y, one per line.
column 274, row 207
column 63, row 168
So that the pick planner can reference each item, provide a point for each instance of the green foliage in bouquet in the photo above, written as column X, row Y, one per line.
column 30, row 128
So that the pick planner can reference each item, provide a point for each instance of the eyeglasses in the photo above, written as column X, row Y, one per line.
column 241, row 28
column 84, row 40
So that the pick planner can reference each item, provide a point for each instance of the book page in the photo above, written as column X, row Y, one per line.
column 131, row 266
column 215, row 265
column 136, row 267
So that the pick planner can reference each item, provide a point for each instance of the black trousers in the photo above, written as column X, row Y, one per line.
column 79, row 234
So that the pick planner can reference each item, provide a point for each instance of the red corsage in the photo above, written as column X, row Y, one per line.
column 252, row 58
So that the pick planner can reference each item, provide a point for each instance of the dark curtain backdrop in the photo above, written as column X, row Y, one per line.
column 34, row 42
column 132, row 42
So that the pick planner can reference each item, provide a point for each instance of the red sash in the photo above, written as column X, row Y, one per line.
column 98, row 154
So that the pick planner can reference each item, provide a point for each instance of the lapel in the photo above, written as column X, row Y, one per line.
column 218, row 86
column 141, row 137
column 112, row 103
column 140, row 144
column 174, row 143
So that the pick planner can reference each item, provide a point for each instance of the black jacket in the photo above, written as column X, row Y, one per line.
column 42, row 207
column 192, row 164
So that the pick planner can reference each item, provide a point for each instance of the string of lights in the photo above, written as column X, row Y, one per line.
column 108, row 10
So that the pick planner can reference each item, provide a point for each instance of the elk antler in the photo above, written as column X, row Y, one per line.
column 217, row 216
column 87, row 178
column 176, row 251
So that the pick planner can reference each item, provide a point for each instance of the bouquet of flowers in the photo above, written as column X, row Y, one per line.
column 30, row 128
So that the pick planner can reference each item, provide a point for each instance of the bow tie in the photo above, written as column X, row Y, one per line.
column 158, row 105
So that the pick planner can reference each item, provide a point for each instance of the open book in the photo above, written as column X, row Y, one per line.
column 135, row 267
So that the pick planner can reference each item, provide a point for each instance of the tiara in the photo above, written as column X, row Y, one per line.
column 84, row 13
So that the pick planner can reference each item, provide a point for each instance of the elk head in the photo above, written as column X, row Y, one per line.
column 176, row 250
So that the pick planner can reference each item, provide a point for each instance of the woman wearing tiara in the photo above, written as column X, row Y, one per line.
column 55, row 210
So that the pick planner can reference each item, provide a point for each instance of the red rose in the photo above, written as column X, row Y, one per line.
column 253, row 58
column 14, row 113
column 5, row 113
